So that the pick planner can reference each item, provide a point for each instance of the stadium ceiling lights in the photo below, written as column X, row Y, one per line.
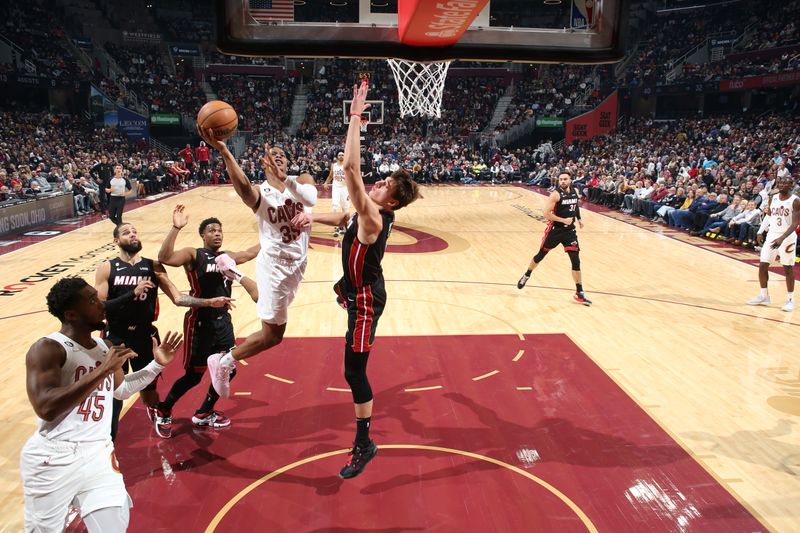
column 299, row 2
column 338, row 3
column 379, row 4
column 552, row 2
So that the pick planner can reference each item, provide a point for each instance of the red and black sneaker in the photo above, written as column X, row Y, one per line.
column 214, row 419
column 582, row 299
column 359, row 457
column 163, row 424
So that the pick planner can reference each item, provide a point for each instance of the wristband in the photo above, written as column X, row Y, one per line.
column 356, row 115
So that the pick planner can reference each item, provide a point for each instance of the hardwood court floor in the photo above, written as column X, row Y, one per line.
column 668, row 325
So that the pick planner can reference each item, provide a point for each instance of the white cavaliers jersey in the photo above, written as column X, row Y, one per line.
column 91, row 419
column 338, row 175
column 780, row 214
column 277, row 237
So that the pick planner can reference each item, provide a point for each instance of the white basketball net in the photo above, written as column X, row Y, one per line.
column 420, row 86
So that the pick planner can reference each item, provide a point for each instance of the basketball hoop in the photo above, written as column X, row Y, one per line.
column 420, row 86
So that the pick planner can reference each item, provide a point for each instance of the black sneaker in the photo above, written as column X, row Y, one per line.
column 523, row 280
column 359, row 457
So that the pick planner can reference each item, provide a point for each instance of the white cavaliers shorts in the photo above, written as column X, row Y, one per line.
column 785, row 252
column 341, row 199
column 278, row 281
column 57, row 474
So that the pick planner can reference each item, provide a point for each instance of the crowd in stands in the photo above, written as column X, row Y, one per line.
column 37, row 31
column 552, row 95
column 260, row 102
column 147, row 75
column 710, row 177
column 43, row 154
column 668, row 36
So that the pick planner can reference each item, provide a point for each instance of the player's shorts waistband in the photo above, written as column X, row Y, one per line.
column 285, row 261
column 67, row 445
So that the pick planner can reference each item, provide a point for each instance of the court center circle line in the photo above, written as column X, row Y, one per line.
column 539, row 481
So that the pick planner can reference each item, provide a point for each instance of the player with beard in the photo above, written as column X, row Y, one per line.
column 71, row 378
column 206, row 330
column 563, row 212
column 128, row 287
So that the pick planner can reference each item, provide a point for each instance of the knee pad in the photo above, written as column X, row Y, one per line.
column 575, row 259
column 355, row 373
column 359, row 385
column 540, row 255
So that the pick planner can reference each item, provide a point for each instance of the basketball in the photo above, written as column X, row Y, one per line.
column 220, row 117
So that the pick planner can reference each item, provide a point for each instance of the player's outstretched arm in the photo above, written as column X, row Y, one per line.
column 184, row 300
column 248, row 192
column 43, row 364
column 167, row 254
column 303, row 220
column 370, row 222
column 245, row 255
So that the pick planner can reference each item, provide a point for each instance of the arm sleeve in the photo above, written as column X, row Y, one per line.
column 119, row 302
column 304, row 192
column 136, row 381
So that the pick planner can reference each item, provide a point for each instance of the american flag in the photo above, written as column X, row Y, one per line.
column 272, row 10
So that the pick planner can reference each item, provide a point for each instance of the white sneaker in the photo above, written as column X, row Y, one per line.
column 788, row 306
column 220, row 374
column 759, row 300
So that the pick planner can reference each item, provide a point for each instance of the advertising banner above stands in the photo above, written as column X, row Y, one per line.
column 549, row 122
column 184, row 50
column 255, row 70
column 26, row 80
column 758, row 82
column 165, row 120
column 599, row 121
column 140, row 37
column 132, row 124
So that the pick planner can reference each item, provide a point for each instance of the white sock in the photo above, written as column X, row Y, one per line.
column 764, row 292
column 227, row 360
column 790, row 296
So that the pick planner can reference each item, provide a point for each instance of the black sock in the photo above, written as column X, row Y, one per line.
column 362, row 431
column 528, row 272
column 579, row 287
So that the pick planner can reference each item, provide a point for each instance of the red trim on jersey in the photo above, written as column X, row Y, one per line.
column 364, row 313
column 194, row 283
column 355, row 263
column 338, row 291
column 190, row 319
column 544, row 237
column 189, row 322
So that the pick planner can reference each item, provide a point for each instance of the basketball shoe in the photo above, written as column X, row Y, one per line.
column 582, row 299
column 760, row 300
column 214, row 419
column 359, row 457
column 522, row 281
column 220, row 374
column 163, row 424
column 788, row 306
